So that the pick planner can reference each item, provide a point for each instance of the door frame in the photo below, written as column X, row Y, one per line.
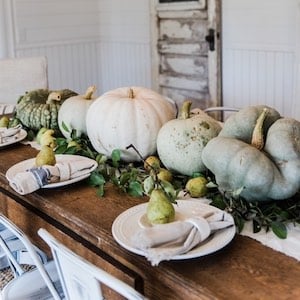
column 6, row 29
column 214, row 57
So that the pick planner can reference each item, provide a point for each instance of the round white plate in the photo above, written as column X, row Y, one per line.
column 132, row 220
column 21, row 135
column 29, row 163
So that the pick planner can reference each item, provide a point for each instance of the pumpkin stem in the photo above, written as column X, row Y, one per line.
column 89, row 92
column 130, row 93
column 53, row 96
column 185, row 110
column 257, row 135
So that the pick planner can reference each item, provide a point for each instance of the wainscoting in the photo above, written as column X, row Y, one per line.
column 91, row 42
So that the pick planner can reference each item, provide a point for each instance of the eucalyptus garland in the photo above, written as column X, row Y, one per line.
column 133, row 179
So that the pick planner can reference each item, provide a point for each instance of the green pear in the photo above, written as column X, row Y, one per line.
column 196, row 187
column 4, row 121
column 165, row 175
column 45, row 157
column 47, row 139
column 40, row 133
column 152, row 163
column 159, row 209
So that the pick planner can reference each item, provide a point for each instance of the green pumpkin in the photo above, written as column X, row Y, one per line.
column 180, row 141
column 39, row 108
column 258, row 154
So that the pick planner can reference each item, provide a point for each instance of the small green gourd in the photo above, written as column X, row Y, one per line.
column 39, row 108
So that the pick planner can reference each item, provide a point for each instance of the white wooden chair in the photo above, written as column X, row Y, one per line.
column 19, row 75
column 41, row 282
column 80, row 279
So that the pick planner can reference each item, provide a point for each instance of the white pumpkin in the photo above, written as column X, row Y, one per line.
column 180, row 141
column 72, row 113
column 125, row 116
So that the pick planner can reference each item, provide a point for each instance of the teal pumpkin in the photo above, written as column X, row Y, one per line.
column 257, row 153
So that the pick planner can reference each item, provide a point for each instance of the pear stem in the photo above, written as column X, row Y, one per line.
column 257, row 135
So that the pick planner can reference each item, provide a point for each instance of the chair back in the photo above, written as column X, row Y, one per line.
column 19, row 75
column 80, row 279
column 35, row 258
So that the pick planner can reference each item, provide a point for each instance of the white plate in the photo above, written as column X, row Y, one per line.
column 132, row 220
column 21, row 135
column 29, row 163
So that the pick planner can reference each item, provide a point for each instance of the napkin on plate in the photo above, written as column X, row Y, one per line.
column 9, row 134
column 163, row 241
column 33, row 179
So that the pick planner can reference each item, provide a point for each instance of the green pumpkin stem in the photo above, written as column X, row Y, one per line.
column 53, row 96
column 89, row 92
column 257, row 135
column 185, row 110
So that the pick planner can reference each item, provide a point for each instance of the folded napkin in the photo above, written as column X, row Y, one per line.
column 9, row 134
column 163, row 241
column 33, row 179
column 7, row 108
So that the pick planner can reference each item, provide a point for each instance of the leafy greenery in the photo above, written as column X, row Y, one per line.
column 274, row 215
column 132, row 178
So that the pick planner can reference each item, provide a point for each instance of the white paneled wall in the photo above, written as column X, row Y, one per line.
column 259, row 77
column 106, row 43
column 261, row 54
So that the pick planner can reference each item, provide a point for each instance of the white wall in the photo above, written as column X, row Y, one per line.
column 261, row 54
column 102, row 42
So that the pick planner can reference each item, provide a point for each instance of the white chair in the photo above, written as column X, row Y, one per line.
column 80, row 279
column 41, row 282
column 19, row 75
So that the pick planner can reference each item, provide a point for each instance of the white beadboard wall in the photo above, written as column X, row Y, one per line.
column 258, row 76
column 106, row 43
column 261, row 54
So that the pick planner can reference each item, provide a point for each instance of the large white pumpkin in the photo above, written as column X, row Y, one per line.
column 125, row 116
column 73, row 113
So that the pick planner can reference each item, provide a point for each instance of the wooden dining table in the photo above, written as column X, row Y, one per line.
column 74, row 214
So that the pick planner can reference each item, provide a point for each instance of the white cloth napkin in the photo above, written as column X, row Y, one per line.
column 9, row 134
column 163, row 241
column 6, row 108
column 33, row 179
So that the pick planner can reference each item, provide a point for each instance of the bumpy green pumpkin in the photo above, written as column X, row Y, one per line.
column 258, row 153
column 180, row 141
column 39, row 108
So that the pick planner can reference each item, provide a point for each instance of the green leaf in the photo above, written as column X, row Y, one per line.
column 218, row 202
column 256, row 226
column 148, row 185
column 279, row 229
column 71, row 150
column 135, row 189
column 61, row 149
column 124, row 178
column 61, row 141
column 239, row 222
column 96, row 179
column 116, row 157
column 65, row 127
column 169, row 190
column 100, row 190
